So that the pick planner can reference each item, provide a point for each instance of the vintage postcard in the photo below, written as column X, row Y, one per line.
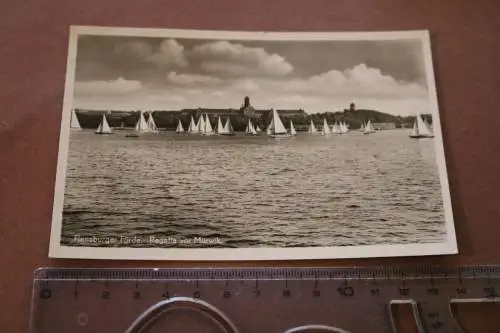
column 219, row 145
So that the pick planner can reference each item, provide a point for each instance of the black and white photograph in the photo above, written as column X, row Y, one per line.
column 228, row 145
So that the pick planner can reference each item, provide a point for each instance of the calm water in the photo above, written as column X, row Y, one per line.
column 165, row 190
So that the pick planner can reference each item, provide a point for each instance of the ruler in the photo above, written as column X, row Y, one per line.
column 257, row 300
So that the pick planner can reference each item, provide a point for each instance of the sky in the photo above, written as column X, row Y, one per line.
column 150, row 73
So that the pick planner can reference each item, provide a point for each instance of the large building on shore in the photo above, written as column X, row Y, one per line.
column 246, row 110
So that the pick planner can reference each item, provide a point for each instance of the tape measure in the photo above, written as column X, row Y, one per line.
column 256, row 300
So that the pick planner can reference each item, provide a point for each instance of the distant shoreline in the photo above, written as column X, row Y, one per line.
column 169, row 119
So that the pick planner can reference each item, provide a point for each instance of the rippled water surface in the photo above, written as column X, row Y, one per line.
column 166, row 190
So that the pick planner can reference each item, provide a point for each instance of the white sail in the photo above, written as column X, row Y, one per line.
column 103, row 127
column 278, row 127
column 292, row 128
column 326, row 128
column 335, row 128
column 369, row 128
column 208, row 130
column 74, row 123
column 220, row 128
column 362, row 128
column 343, row 127
column 141, row 126
column 201, row 124
column 192, row 126
column 197, row 125
column 414, row 131
column 257, row 128
column 250, row 129
column 180, row 128
column 421, row 128
column 269, row 128
column 228, row 127
column 312, row 128
column 152, row 124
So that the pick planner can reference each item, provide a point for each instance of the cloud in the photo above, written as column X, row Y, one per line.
column 164, row 98
column 194, row 92
column 118, row 86
column 247, row 85
column 359, row 81
column 176, row 99
column 191, row 79
column 298, row 99
column 138, row 49
column 219, row 93
column 233, row 59
column 169, row 54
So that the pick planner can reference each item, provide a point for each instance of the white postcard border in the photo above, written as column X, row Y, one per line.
column 56, row 250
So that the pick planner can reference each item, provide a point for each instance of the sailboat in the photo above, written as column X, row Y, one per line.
column 420, row 129
column 201, row 124
column 336, row 128
column 369, row 128
column 227, row 129
column 250, row 130
column 103, row 127
column 140, row 127
column 192, row 126
column 180, row 128
column 292, row 128
column 269, row 127
column 326, row 128
column 312, row 128
column 343, row 128
column 207, row 129
column 74, row 123
column 152, row 124
column 278, row 130
column 220, row 128
column 362, row 128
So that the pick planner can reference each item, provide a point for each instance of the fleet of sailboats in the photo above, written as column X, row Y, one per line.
column 420, row 129
column 275, row 129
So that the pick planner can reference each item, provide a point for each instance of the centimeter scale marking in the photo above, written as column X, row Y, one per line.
column 352, row 300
